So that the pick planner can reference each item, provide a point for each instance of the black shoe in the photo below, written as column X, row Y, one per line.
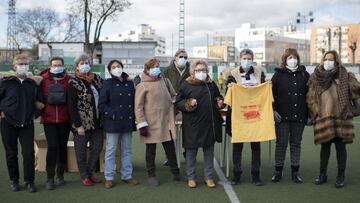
column 257, row 182
column 256, row 178
column 235, row 181
column 30, row 187
column 295, row 176
column 14, row 186
column 60, row 181
column 184, row 154
column 166, row 163
column 177, row 177
column 277, row 176
column 236, row 178
column 339, row 183
column 50, row 185
column 321, row 179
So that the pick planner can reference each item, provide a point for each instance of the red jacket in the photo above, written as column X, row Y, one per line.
column 53, row 113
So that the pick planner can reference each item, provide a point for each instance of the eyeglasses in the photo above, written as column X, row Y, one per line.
column 201, row 70
column 185, row 57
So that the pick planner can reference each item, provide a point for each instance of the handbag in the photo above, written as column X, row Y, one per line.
column 56, row 95
column 355, row 107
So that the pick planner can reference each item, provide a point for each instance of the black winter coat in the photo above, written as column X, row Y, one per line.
column 116, row 103
column 203, row 124
column 17, row 99
column 289, row 90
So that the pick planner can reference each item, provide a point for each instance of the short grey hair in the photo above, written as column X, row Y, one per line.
column 245, row 52
column 82, row 57
column 180, row 51
column 196, row 63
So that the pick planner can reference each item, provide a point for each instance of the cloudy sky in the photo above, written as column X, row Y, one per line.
column 207, row 17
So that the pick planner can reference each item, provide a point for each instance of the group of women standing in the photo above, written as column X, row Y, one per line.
column 327, row 99
column 91, row 107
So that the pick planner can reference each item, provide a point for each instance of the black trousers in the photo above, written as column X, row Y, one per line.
column 255, row 158
column 10, row 136
column 87, row 165
column 169, row 148
column 341, row 154
column 288, row 132
column 57, row 135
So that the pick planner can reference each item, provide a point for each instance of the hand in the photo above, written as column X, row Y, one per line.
column 39, row 105
column 80, row 130
column 309, row 122
column 220, row 103
column 2, row 115
column 144, row 131
column 230, row 84
column 193, row 102
column 277, row 117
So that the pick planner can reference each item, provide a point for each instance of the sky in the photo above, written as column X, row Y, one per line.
column 205, row 17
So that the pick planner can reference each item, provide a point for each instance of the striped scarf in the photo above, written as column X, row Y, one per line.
column 322, row 81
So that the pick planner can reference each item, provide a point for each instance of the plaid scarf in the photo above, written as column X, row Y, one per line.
column 322, row 81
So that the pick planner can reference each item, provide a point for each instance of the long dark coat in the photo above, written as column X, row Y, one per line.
column 203, row 123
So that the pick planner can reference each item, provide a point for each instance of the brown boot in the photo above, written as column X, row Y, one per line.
column 108, row 184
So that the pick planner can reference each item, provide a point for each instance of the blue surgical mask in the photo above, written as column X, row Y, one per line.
column 181, row 62
column 56, row 70
column 246, row 63
column 155, row 72
column 84, row 68
column 22, row 69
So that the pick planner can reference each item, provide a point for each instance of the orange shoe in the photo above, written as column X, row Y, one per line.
column 108, row 184
column 191, row 184
column 131, row 181
column 210, row 183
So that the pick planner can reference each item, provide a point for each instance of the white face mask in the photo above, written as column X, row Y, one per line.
column 329, row 65
column 292, row 64
column 117, row 72
column 201, row 76
column 22, row 69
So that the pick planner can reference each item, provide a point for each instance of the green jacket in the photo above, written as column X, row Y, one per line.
column 172, row 73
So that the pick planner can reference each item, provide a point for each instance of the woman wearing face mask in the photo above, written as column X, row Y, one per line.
column 289, row 85
column 199, row 100
column 331, row 92
column 55, row 119
column 19, row 100
column 83, row 97
column 154, row 112
column 116, row 103
column 247, row 75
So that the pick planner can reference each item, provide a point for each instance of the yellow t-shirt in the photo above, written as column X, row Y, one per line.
column 252, row 115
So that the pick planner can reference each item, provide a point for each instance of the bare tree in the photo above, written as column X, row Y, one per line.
column 353, row 41
column 44, row 25
column 71, row 29
column 96, row 12
column 37, row 23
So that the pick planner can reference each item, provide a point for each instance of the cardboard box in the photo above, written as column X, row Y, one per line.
column 40, row 147
column 117, row 158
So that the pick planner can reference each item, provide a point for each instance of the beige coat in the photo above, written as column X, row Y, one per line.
column 154, row 107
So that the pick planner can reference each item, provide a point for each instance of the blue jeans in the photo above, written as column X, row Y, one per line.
column 112, row 140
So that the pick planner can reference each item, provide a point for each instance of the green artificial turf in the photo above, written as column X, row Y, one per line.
column 169, row 191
